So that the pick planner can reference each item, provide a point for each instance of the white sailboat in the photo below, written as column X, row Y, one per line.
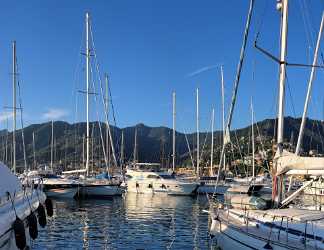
column 91, row 186
column 251, row 223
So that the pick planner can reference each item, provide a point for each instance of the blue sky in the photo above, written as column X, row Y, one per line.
column 150, row 48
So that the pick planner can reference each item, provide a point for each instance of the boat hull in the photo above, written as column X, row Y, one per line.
column 212, row 189
column 62, row 192
column 23, row 209
column 100, row 191
column 144, row 187
column 229, row 238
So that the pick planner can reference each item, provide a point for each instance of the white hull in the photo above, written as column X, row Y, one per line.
column 68, row 193
column 100, row 191
column 232, row 230
column 229, row 238
column 148, row 187
column 7, row 216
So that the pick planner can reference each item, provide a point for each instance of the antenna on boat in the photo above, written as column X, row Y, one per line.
column 173, row 132
column 309, row 89
column 197, row 120
column 87, row 90
column 14, row 83
column 212, row 143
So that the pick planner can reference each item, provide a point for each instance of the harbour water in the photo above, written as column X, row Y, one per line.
column 129, row 222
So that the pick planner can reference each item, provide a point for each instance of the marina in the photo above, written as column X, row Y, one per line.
column 162, row 126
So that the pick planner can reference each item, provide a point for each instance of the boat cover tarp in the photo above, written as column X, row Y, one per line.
column 8, row 181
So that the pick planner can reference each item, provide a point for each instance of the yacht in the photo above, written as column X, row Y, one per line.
column 54, row 186
column 147, row 178
column 18, row 206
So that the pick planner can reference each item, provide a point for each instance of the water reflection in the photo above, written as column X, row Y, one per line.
column 130, row 222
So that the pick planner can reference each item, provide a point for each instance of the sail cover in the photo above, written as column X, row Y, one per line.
column 287, row 161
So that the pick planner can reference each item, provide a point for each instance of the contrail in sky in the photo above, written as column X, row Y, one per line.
column 203, row 69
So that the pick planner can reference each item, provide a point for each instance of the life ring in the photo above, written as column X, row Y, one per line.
column 49, row 207
column 41, row 215
column 19, row 230
column 32, row 225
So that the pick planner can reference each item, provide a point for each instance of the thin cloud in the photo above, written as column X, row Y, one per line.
column 55, row 114
column 201, row 70
column 5, row 115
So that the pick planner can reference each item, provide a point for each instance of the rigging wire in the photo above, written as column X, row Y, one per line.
column 102, row 95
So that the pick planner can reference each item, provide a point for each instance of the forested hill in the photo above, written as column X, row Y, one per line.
column 154, row 143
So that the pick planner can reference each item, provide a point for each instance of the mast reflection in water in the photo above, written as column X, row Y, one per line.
column 130, row 222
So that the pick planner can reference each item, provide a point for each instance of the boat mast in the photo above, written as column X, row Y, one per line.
column 87, row 90
column 236, row 83
column 34, row 153
column 107, row 120
column 14, row 83
column 283, row 7
column 197, row 120
column 212, row 143
column 173, row 132
column 122, row 149
column 52, row 144
column 309, row 89
column 223, row 112
column 253, row 146
column 135, row 146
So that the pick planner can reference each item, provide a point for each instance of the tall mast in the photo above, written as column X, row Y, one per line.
column 52, row 145
column 107, row 120
column 212, row 143
column 83, row 150
column 236, row 83
column 173, row 132
column 122, row 149
column 310, row 83
column 283, row 5
column 34, row 153
column 135, row 146
column 253, row 149
column 223, row 111
column 197, row 120
column 87, row 78
column 14, row 81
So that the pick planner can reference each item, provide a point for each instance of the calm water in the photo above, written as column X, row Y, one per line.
column 130, row 222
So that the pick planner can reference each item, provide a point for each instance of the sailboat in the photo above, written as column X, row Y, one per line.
column 19, row 204
column 254, row 223
column 92, row 186
column 208, row 184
